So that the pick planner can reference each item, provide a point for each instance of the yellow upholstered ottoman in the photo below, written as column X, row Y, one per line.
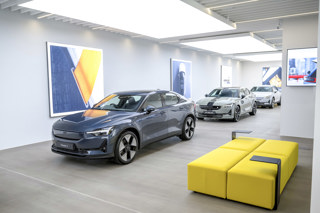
column 208, row 174
column 286, row 148
column 254, row 182
column 244, row 143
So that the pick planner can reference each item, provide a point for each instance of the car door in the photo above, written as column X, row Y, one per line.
column 153, row 125
column 276, row 93
column 176, row 110
column 246, row 100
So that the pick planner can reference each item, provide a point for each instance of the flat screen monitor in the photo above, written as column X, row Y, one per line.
column 302, row 67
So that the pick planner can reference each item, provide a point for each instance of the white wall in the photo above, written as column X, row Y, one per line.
column 298, row 103
column 129, row 63
column 251, row 72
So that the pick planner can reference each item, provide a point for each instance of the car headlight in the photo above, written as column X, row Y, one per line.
column 227, row 106
column 268, row 97
column 101, row 132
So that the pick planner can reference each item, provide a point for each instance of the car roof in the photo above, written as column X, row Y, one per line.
column 230, row 88
column 140, row 92
column 264, row 86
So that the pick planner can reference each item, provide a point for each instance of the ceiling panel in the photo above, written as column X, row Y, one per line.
column 262, row 17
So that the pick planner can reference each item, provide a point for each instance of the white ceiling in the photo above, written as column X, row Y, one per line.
column 263, row 18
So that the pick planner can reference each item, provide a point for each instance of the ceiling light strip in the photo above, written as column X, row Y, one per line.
column 99, row 28
column 230, row 5
column 233, row 45
column 278, row 17
column 263, row 31
column 44, row 16
column 275, row 38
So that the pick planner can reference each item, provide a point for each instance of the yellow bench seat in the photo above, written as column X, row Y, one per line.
column 253, row 182
column 244, row 143
column 208, row 174
column 228, row 172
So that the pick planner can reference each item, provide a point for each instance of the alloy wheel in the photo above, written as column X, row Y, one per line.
column 127, row 147
column 189, row 127
column 236, row 114
column 254, row 109
column 272, row 103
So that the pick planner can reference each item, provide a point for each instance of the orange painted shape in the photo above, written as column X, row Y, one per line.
column 86, row 72
column 106, row 99
column 94, row 113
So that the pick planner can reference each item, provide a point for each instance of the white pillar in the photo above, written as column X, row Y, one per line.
column 315, row 187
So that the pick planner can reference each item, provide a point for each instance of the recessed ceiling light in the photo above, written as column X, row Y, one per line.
column 232, row 45
column 153, row 18
column 277, row 56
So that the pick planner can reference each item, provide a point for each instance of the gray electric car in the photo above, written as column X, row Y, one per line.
column 122, row 123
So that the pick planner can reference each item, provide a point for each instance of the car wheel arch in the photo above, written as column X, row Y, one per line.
column 238, row 105
column 191, row 115
column 135, row 131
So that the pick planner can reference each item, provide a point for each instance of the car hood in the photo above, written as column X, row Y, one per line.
column 90, row 119
column 217, row 100
column 262, row 94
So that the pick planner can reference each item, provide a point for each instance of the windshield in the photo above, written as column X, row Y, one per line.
column 120, row 103
column 225, row 92
column 261, row 89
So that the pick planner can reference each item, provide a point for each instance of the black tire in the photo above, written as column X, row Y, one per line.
column 200, row 118
column 236, row 116
column 188, row 128
column 254, row 109
column 272, row 104
column 279, row 103
column 126, row 148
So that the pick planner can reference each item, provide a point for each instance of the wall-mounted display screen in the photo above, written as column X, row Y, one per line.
column 302, row 67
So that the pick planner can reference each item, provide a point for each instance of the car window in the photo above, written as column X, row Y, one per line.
column 242, row 93
column 246, row 92
column 170, row 99
column 275, row 89
column 225, row 92
column 261, row 89
column 153, row 100
column 120, row 102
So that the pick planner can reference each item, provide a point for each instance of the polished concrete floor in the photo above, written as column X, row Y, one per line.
column 32, row 179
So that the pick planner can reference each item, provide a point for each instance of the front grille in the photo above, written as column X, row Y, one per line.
column 206, row 107
column 67, row 135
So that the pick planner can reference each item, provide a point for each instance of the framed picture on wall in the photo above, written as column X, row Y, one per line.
column 272, row 76
column 181, row 77
column 226, row 76
column 302, row 67
column 75, row 78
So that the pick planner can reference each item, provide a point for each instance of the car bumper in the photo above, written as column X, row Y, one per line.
column 86, row 147
column 263, row 102
column 218, row 114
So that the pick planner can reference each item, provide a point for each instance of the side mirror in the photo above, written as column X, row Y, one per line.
column 206, row 95
column 243, row 96
column 149, row 109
